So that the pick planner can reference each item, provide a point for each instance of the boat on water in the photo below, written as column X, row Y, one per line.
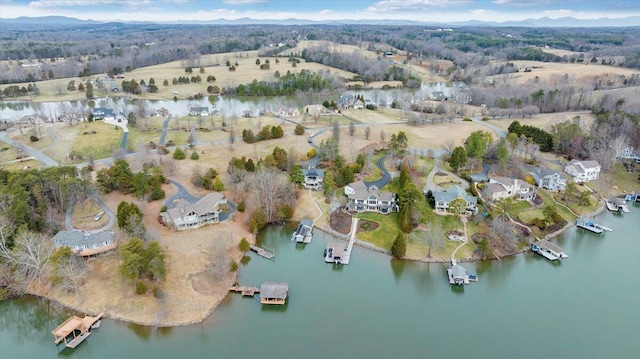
column 616, row 205
column 548, row 250
column 590, row 225
column 458, row 274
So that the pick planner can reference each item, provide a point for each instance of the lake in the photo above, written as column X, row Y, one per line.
column 523, row 306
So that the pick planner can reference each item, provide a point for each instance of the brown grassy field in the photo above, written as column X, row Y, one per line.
column 546, row 120
column 551, row 71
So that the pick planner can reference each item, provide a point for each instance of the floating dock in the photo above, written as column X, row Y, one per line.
column 616, row 205
column 262, row 252
column 334, row 253
column 548, row 250
column 304, row 232
column 458, row 274
column 589, row 225
column 75, row 330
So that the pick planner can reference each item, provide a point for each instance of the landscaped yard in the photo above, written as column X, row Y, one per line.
column 385, row 234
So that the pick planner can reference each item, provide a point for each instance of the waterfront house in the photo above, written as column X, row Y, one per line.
column 199, row 111
column 363, row 198
column 444, row 198
column 316, row 110
column 583, row 171
column 273, row 293
column 288, row 112
column 86, row 243
column 187, row 215
column 313, row 178
column 102, row 113
column 504, row 187
column 547, row 178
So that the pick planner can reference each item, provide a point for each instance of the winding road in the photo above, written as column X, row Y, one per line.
column 107, row 212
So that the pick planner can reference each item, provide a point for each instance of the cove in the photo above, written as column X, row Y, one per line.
column 522, row 307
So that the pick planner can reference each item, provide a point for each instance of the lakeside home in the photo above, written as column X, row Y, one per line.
column 86, row 244
column 186, row 215
column 444, row 198
column 369, row 199
column 313, row 178
column 583, row 171
column 504, row 187
column 547, row 178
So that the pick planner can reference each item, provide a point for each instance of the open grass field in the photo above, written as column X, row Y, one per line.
column 96, row 145
column 385, row 234
column 83, row 215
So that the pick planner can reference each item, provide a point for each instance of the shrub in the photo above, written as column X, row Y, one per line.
column 158, row 293
column 466, row 119
column 241, row 206
column 163, row 208
column 244, row 245
column 34, row 138
column 195, row 156
column 538, row 223
column 233, row 266
column 299, row 130
column 141, row 288
column 485, row 118
column 179, row 154
column 399, row 247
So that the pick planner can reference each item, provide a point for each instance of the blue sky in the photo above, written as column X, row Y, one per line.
column 423, row 10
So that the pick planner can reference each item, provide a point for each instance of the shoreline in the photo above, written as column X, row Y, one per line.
column 211, row 309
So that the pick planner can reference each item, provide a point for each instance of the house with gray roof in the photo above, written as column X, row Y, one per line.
column 187, row 215
column 547, row 178
column 500, row 188
column 86, row 243
column 369, row 199
column 313, row 178
column 583, row 171
column 444, row 198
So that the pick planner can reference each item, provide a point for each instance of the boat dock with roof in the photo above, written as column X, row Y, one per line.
column 548, row 250
column 590, row 225
column 458, row 274
column 75, row 330
column 304, row 232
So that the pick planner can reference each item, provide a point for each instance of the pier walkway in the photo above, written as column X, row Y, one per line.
column 354, row 229
column 245, row 291
column 262, row 252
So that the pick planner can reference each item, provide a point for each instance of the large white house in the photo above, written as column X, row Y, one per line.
column 547, row 178
column 369, row 199
column 583, row 171
column 504, row 187
column 187, row 215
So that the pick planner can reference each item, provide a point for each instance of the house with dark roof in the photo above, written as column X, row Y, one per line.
column 444, row 198
column 547, row 178
column 187, row 215
column 86, row 243
column 500, row 188
column 583, row 171
column 313, row 178
column 369, row 199
column 102, row 113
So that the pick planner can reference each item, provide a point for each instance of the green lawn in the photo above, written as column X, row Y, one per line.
column 99, row 144
column 626, row 182
column 385, row 234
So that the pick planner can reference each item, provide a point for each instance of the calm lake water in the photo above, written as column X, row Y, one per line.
column 587, row 306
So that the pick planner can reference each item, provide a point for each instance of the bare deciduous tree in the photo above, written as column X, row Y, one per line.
column 367, row 132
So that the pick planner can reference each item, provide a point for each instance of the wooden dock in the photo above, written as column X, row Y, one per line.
column 245, row 291
column 262, row 252
column 75, row 330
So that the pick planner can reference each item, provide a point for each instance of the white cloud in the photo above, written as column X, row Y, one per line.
column 242, row 2
column 413, row 5
column 326, row 12
column 70, row 3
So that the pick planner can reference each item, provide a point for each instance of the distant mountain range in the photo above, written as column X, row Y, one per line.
column 61, row 21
